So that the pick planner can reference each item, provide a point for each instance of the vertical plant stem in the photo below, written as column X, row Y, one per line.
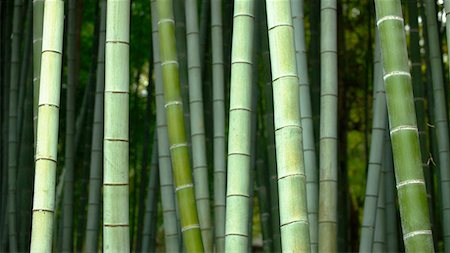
column 309, row 150
column 179, row 150
column 239, row 140
column 219, row 125
column 165, row 168
column 47, row 129
column 441, row 116
column 288, row 130
column 328, row 129
column 116, row 236
column 403, row 129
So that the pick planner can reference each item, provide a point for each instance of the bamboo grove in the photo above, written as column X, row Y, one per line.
column 224, row 126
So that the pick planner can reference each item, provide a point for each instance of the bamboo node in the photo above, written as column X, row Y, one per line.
column 410, row 181
column 415, row 233
column 193, row 226
column 390, row 17
column 403, row 128
column 173, row 103
column 396, row 73
column 182, row 187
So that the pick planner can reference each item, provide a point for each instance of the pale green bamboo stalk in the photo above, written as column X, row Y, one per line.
column 270, row 133
column 309, row 149
column 376, row 155
column 328, row 128
column 96, row 164
column 239, row 131
column 47, row 129
column 414, row 215
column 441, row 116
column 199, row 162
column 69, row 159
column 379, row 237
column 219, row 125
column 150, row 200
column 38, row 13
column 116, row 236
column 12, row 121
column 391, row 210
column 165, row 167
column 288, row 130
column 190, row 227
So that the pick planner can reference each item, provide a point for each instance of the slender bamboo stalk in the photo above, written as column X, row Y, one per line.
column 38, row 13
column 69, row 159
column 47, row 129
column 165, row 168
column 239, row 156
column 441, row 116
column 190, row 227
column 12, row 121
column 328, row 129
column 270, row 133
column 309, row 150
column 199, row 162
column 150, row 207
column 376, row 155
column 379, row 238
column 391, row 210
column 115, row 147
column 219, row 125
column 288, row 130
column 403, row 129
column 95, row 177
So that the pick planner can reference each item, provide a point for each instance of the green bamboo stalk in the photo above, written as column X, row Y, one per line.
column 47, row 129
column 391, row 210
column 441, row 116
column 379, row 239
column 328, row 129
column 69, row 159
column 190, row 227
column 165, row 168
column 414, row 215
column 219, row 125
column 12, row 121
column 93, row 213
column 376, row 155
column 309, row 150
column 199, row 162
column 116, row 236
column 150, row 221
column 38, row 12
column 270, row 133
column 238, row 172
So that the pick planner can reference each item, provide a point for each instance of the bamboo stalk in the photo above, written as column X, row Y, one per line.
column 165, row 168
column 294, row 224
column 239, row 131
column 441, row 116
column 190, row 227
column 219, row 125
column 309, row 150
column 403, row 129
column 47, row 129
column 328, row 129
column 116, row 236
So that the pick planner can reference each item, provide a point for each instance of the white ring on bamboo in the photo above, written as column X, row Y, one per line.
column 173, row 103
column 169, row 62
column 390, row 17
column 178, row 145
column 408, row 182
column 163, row 20
column 190, row 227
column 404, row 127
column 185, row 186
column 396, row 73
column 414, row 233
